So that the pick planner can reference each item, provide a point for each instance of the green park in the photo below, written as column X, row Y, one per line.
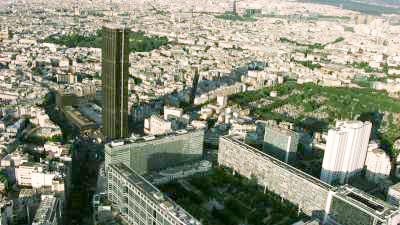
column 315, row 108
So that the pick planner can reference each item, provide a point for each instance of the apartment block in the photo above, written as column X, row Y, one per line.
column 309, row 193
column 343, row 205
column 346, row 151
column 139, row 202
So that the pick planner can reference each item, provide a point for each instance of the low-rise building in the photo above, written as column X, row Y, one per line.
column 33, row 175
column 54, row 149
column 49, row 211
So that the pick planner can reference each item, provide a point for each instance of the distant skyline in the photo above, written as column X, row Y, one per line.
column 222, row 113
column 371, row 7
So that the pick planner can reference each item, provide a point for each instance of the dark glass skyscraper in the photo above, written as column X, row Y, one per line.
column 115, row 69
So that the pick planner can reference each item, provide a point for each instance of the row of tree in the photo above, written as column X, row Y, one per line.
column 138, row 41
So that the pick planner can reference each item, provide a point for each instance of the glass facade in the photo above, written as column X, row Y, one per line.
column 158, row 154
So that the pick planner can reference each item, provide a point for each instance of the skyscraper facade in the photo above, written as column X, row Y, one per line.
column 346, row 150
column 115, row 68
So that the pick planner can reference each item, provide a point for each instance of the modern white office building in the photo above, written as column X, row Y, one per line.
column 346, row 150
column 155, row 153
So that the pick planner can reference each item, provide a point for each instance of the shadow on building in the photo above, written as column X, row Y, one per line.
column 161, row 161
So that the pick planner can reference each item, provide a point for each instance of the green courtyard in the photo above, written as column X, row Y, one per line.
column 220, row 198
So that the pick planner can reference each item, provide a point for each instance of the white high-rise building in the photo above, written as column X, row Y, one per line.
column 345, row 152
column 378, row 165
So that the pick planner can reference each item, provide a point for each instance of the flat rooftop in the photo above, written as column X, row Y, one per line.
column 177, row 169
column 91, row 111
column 77, row 118
column 365, row 202
column 133, row 140
column 45, row 213
column 282, row 130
